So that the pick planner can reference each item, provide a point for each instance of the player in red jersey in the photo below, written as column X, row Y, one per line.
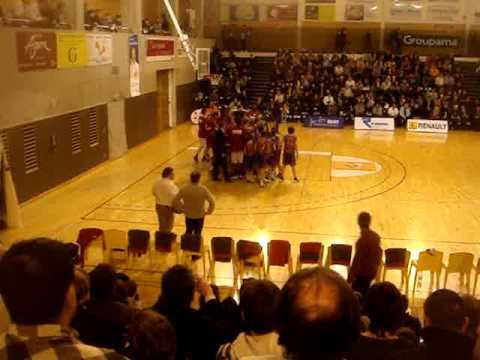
column 202, row 135
column 211, row 123
column 290, row 152
column 236, row 139
column 276, row 145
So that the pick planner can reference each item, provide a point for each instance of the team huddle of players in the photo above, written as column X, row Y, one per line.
column 243, row 146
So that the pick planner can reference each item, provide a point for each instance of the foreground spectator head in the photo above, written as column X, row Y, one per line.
column 37, row 282
column 384, row 307
column 195, row 177
column 257, row 303
column 103, row 280
column 317, row 315
column 82, row 286
column 445, row 309
column 152, row 337
column 472, row 308
column 178, row 286
column 364, row 220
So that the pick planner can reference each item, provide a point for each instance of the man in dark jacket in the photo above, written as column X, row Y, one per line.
column 444, row 335
column 220, row 155
column 368, row 256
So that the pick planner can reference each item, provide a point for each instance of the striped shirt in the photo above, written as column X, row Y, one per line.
column 48, row 341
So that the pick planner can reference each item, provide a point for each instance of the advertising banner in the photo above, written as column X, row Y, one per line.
column 99, row 49
column 36, row 51
column 430, row 126
column 405, row 10
column 417, row 40
column 362, row 10
column 311, row 12
column 282, row 12
column 244, row 12
column 368, row 123
column 160, row 49
column 316, row 121
column 444, row 13
column 72, row 50
column 134, row 66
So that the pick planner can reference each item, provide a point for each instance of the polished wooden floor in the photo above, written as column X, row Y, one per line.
column 423, row 191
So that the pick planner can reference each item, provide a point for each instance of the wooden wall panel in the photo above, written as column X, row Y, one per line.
column 141, row 118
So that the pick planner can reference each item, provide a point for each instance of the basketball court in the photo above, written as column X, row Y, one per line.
column 422, row 190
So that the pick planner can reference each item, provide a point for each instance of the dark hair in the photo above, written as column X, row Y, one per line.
column 317, row 315
column 472, row 309
column 384, row 307
column 178, row 286
column 35, row 276
column 445, row 309
column 195, row 177
column 103, row 282
column 364, row 220
column 257, row 302
column 152, row 337
column 82, row 286
column 167, row 172
column 291, row 130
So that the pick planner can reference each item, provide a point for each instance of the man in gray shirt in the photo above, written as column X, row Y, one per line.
column 191, row 200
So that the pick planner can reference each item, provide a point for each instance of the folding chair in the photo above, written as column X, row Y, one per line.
column 459, row 263
column 166, row 243
column 428, row 260
column 138, row 243
column 311, row 253
column 117, row 244
column 397, row 259
column 193, row 249
column 477, row 273
column 279, row 254
column 223, row 250
column 250, row 254
column 86, row 237
column 339, row 254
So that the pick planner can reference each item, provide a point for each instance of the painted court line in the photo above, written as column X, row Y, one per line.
column 305, row 152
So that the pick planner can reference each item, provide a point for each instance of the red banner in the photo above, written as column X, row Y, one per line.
column 160, row 49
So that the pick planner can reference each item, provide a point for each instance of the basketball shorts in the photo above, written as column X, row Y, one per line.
column 289, row 159
column 236, row 157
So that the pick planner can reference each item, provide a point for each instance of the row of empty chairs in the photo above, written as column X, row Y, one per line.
column 247, row 254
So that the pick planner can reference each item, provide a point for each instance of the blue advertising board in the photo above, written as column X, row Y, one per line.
column 327, row 122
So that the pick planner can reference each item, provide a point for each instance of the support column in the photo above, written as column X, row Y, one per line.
column 132, row 14
column 78, row 15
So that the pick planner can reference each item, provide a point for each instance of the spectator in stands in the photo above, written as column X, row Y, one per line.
column 409, row 321
column 103, row 321
column 151, row 337
column 257, row 300
column 384, row 309
column 195, row 330
column 472, row 306
column 165, row 190
column 191, row 200
column 368, row 256
column 446, row 322
column 37, row 285
column 317, row 315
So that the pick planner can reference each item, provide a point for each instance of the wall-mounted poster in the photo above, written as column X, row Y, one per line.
column 134, row 66
column 355, row 12
column 99, row 49
column 244, row 12
column 362, row 10
column 282, row 12
column 322, row 1
column 72, row 50
column 160, row 49
column 444, row 13
column 311, row 12
column 36, row 51
column 406, row 10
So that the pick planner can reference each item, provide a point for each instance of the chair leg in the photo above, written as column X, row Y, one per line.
column 407, row 280
column 384, row 274
column 414, row 286
column 211, row 272
column 445, row 280
column 475, row 280
column 468, row 275
column 439, row 274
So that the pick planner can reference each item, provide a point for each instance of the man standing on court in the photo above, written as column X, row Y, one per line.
column 191, row 200
column 368, row 256
column 165, row 191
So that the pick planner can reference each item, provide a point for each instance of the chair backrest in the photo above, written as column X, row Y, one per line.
column 311, row 252
column 247, row 249
column 116, row 239
column 396, row 258
column 87, row 235
column 164, row 241
column 340, row 254
column 430, row 260
column 138, row 240
column 461, row 262
column 222, row 248
column 191, row 243
column 278, row 252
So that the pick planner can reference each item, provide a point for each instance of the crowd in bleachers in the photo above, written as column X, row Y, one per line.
column 60, row 311
column 374, row 85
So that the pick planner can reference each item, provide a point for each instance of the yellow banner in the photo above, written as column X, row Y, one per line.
column 72, row 50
